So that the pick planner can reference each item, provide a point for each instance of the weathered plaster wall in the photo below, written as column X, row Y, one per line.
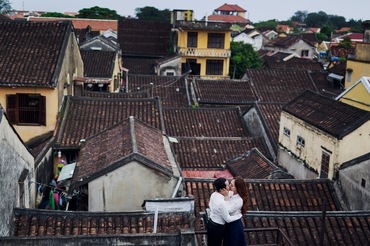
column 350, row 178
column 315, row 141
column 256, row 129
column 295, row 167
column 14, row 158
column 358, row 93
column 174, row 65
column 359, row 68
column 72, row 67
column 126, row 188
column 299, row 46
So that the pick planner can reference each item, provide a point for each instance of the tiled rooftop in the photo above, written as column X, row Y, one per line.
column 341, row 52
column 139, row 65
column 227, row 18
column 211, row 154
column 230, row 7
column 311, row 37
column 294, row 65
column 29, row 51
column 272, row 195
column 85, row 117
column 298, row 59
column 263, row 52
column 252, row 165
column 42, row 223
column 4, row 17
column 334, row 117
column 287, row 41
column 207, row 174
column 113, row 144
column 96, row 94
column 339, row 67
column 37, row 149
column 304, row 228
column 203, row 122
column 279, row 86
column 170, row 89
column 280, row 54
column 98, row 64
column 83, row 33
column 83, row 23
column 271, row 115
column 224, row 91
column 144, row 36
column 320, row 78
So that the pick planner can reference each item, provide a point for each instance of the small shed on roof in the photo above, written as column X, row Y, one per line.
column 125, row 164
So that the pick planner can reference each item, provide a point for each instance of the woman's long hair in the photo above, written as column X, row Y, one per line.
column 242, row 190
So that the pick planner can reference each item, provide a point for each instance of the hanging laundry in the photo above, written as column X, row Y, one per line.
column 51, row 200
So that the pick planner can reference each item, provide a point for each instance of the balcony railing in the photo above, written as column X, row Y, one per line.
column 203, row 25
column 203, row 52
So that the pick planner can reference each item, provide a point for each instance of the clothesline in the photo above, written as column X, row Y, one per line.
column 49, row 186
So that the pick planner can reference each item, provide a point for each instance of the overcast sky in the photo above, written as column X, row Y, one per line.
column 256, row 10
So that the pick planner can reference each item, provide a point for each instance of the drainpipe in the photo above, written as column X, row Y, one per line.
column 177, row 187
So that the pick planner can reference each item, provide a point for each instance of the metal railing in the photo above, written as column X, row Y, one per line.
column 204, row 52
column 279, row 236
column 212, row 25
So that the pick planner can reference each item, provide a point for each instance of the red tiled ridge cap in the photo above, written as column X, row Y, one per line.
column 95, row 24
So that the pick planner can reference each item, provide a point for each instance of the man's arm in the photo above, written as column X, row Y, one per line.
column 225, row 213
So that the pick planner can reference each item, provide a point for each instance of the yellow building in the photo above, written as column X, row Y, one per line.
column 318, row 134
column 358, row 94
column 36, row 74
column 204, row 47
column 359, row 65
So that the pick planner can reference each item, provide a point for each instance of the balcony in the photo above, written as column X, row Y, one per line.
column 203, row 52
column 203, row 25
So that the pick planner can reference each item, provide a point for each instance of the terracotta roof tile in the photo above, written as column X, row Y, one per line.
column 339, row 67
column 95, row 24
column 37, row 149
column 320, row 78
column 115, row 143
column 271, row 195
column 287, row 41
column 262, row 52
column 230, row 7
column 280, row 54
column 98, row 64
column 279, row 86
column 211, row 154
column 294, row 65
column 85, row 117
column 42, row 223
column 271, row 114
column 206, row 174
column 203, row 122
column 144, row 36
column 341, row 52
column 227, row 18
column 96, row 94
column 170, row 89
column 81, row 34
column 4, row 17
column 252, row 165
column 224, row 91
column 139, row 65
column 40, row 44
column 331, row 116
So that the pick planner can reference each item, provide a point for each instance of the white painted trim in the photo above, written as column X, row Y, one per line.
column 363, row 80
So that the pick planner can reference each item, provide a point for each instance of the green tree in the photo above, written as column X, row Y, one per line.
column 316, row 19
column 243, row 56
column 321, row 36
column 326, row 30
column 5, row 6
column 56, row 14
column 299, row 16
column 98, row 13
column 152, row 13
column 337, row 22
column 346, row 43
column 269, row 23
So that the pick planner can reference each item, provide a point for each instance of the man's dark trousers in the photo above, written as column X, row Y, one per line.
column 215, row 233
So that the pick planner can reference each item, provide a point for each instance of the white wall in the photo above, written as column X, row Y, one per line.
column 125, row 188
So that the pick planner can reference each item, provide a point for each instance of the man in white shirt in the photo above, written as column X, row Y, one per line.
column 219, row 212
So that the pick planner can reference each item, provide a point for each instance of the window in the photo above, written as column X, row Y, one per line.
column 363, row 183
column 170, row 73
column 21, row 195
column 325, row 158
column 216, row 40
column 214, row 67
column 349, row 75
column 304, row 53
column 192, row 39
column 26, row 109
column 286, row 132
column 300, row 141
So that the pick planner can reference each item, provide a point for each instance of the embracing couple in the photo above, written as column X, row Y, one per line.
column 228, row 204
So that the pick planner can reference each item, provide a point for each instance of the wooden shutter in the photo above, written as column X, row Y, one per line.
column 78, row 90
column 42, row 110
column 12, row 108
